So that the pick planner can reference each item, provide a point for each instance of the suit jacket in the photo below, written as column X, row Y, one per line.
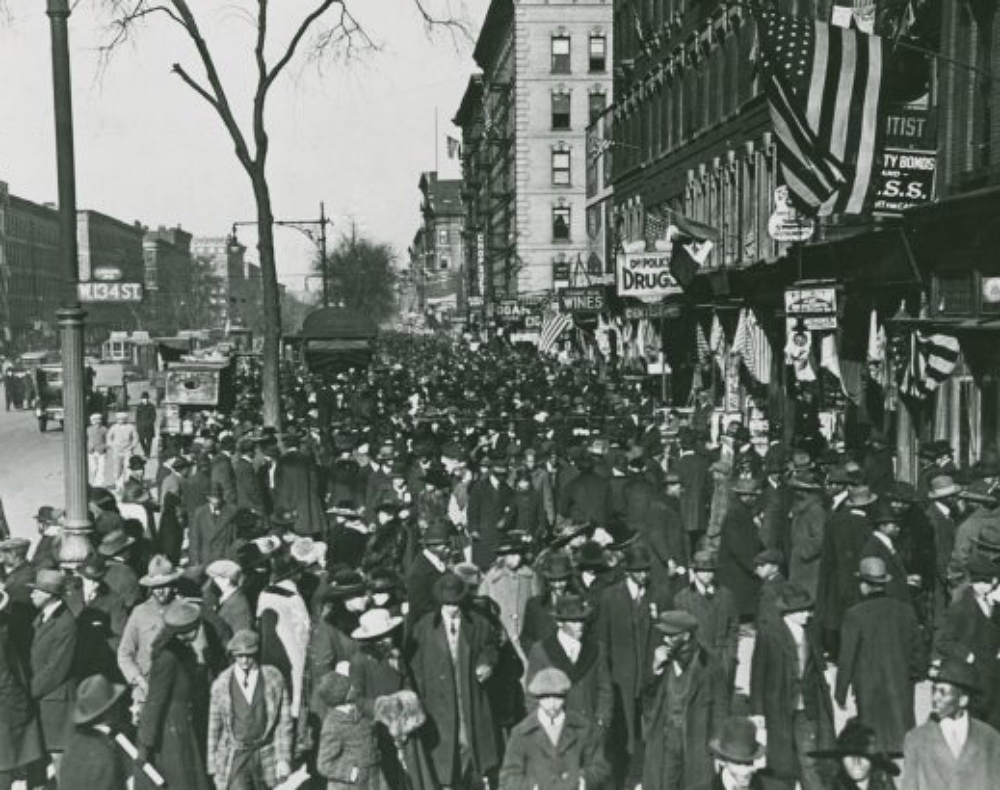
column 928, row 763
column 532, row 761
column 249, row 491
column 590, row 692
column 277, row 737
column 53, row 684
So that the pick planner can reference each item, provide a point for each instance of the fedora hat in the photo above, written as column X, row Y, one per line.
column 95, row 696
column 557, row 567
column 182, row 616
column 872, row 570
column 50, row 581
column 804, row 482
column 572, row 607
column 858, row 740
column 988, row 539
column 450, row 590
column 957, row 672
column 982, row 492
column 637, row 557
column 374, row 624
column 93, row 567
column 860, row 496
column 676, row 621
column 737, row 741
column 704, row 561
column 943, row 486
column 549, row 682
column 160, row 572
column 794, row 598
column 244, row 643
column 114, row 543
column 981, row 569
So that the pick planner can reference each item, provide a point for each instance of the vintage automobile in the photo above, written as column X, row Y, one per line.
column 49, row 401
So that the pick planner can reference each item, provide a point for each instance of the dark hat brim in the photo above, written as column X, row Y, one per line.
column 717, row 748
column 879, row 760
column 85, row 717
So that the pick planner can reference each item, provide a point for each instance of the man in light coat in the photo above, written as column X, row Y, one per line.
column 249, row 723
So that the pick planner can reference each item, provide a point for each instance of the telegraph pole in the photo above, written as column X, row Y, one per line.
column 76, row 525
column 322, row 255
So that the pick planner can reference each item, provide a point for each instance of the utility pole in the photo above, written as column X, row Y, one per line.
column 76, row 525
column 322, row 253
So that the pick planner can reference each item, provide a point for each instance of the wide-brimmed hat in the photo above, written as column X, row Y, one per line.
column 872, row 570
column 52, row 582
column 981, row 569
column 344, row 584
column 747, row 486
column 860, row 496
column 549, row 682
column 244, row 643
column 182, row 616
column 988, row 539
column 943, row 486
column 858, row 740
column 450, row 590
column 114, row 543
column 794, row 598
column 557, row 567
column 569, row 531
column 572, row 607
column 676, row 621
column 222, row 569
column 374, row 624
column 93, row 567
column 737, row 741
column 95, row 696
column 704, row 561
column 981, row 492
column 308, row 551
column 637, row 557
column 161, row 571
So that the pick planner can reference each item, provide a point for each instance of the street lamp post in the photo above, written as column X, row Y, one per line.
column 76, row 526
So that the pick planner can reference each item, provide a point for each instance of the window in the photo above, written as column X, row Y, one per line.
column 560, row 111
column 444, row 262
column 443, row 240
column 598, row 52
column 560, row 168
column 595, row 106
column 560, row 54
column 560, row 223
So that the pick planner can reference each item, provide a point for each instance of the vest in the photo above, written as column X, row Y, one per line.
column 249, row 720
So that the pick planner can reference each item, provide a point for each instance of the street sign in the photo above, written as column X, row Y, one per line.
column 109, row 292
column 581, row 300
column 560, row 270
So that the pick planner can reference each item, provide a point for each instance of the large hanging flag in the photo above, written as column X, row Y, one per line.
column 824, row 91
column 553, row 326
column 932, row 360
column 757, row 350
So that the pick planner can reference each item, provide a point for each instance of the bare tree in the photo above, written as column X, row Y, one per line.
column 329, row 29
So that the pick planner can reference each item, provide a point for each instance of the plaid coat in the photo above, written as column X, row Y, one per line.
column 278, row 737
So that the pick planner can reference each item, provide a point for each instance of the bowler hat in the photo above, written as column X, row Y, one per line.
column 182, row 616
column 703, row 561
column 115, row 542
column 557, row 567
column 872, row 570
column 858, row 740
column 637, row 557
column 737, row 741
column 244, row 643
column 676, row 621
column 94, row 697
column 549, row 682
column 161, row 571
column 572, row 607
column 450, row 589
column 943, row 486
column 591, row 557
column 51, row 581
column 794, row 598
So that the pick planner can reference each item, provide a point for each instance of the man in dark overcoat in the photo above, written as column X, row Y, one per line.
column 453, row 651
column 715, row 609
column 882, row 544
column 587, row 498
column 739, row 543
column 775, row 506
column 942, row 513
column 693, row 470
column 881, row 658
column 427, row 567
column 93, row 761
column 249, row 486
column 789, row 694
column 296, row 487
column 489, row 498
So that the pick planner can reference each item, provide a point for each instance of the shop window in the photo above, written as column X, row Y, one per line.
column 560, row 54
column 443, row 237
column 561, row 168
column 598, row 52
column 560, row 223
column 561, row 111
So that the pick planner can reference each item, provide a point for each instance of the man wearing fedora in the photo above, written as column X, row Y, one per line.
column 881, row 657
column 883, row 545
column 556, row 570
column 554, row 747
column 225, row 606
column 789, row 693
column 692, row 469
column 119, row 576
column 453, row 652
column 943, row 513
column 860, row 761
column 92, row 760
column 575, row 650
column 687, row 699
column 53, row 647
column 739, row 543
column 427, row 568
column 738, row 757
column 249, row 486
column 489, row 497
column 715, row 609
column 211, row 532
column 844, row 536
column 143, row 626
column 249, row 724
column 984, row 500
column 952, row 750
column 808, row 522
column 775, row 505
column 100, row 618
column 970, row 627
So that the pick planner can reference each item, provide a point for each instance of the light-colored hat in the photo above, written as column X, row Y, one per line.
column 244, row 643
column 222, row 569
column 182, row 616
column 161, row 572
column 307, row 551
column 375, row 623
column 50, row 581
column 549, row 682
column 943, row 486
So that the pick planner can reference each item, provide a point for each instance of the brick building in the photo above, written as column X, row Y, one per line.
column 439, row 266
column 234, row 298
column 167, row 260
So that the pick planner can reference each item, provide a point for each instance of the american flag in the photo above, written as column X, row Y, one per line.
column 553, row 325
column 824, row 90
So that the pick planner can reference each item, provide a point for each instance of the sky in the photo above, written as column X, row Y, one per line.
column 355, row 135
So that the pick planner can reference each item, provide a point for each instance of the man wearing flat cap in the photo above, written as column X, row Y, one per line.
column 687, row 701
column 952, row 750
column 453, row 652
column 555, row 748
column 249, row 723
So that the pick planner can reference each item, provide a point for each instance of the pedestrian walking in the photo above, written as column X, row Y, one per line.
column 145, row 424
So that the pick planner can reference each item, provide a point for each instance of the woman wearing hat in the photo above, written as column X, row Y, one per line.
column 20, row 733
column 172, row 729
column 860, row 764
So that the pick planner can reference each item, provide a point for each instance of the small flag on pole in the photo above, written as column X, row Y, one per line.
column 454, row 148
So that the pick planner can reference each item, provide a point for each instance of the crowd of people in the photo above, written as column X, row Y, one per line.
column 471, row 567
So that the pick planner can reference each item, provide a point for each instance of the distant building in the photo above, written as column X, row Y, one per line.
column 231, row 298
column 439, row 266
column 167, row 264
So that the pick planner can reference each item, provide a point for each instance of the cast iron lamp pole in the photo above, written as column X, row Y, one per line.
column 76, row 525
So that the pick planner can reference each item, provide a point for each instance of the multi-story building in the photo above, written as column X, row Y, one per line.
column 167, row 255
column 232, row 299
column 441, row 261
column 546, row 74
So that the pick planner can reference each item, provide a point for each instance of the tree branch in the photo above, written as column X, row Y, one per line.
column 260, row 98
column 192, row 83
column 293, row 45
column 458, row 28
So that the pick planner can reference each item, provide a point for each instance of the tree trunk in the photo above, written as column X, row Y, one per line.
column 272, row 302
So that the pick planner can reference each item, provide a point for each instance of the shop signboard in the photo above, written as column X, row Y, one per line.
column 904, row 178
column 646, row 274
column 786, row 224
column 582, row 300
column 814, row 305
column 510, row 311
column 475, row 301
column 560, row 271
column 656, row 310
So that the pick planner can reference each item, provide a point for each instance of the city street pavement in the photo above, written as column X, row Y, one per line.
column 31, row 470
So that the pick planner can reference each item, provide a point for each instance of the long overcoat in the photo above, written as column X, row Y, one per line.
column 844, row 537
column 738, row 545
column 20, row 734
column 590, row 692
column 533, row 761
column 53, row 685
column 296, row 487
column 806, row 542
column 443, row 686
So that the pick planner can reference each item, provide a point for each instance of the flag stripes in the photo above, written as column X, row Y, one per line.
column 932, row 360
column 553, row 325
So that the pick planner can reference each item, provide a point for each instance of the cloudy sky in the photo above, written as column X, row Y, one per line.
column 356, row 135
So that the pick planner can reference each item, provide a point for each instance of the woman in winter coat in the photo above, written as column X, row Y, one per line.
column 173, row 725
column 20, row 735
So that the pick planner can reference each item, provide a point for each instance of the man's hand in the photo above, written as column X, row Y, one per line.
column 483, row 673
